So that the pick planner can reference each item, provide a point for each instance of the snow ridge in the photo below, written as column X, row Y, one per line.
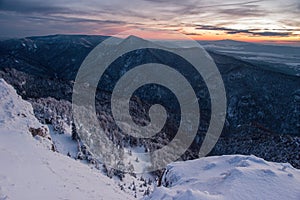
column 231, row 177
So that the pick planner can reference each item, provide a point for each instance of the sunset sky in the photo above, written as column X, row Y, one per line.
column 261, row 20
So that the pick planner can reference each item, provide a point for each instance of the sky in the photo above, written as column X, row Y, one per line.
column 273, row 21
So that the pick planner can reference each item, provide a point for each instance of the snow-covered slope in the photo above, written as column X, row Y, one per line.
column 233, row 177
column 15, row 114
column 29, row 170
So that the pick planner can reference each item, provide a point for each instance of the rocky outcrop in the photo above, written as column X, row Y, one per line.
column 17, row 114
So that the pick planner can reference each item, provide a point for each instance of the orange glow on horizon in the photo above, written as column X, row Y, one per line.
column 153, row 34
column 243, row 37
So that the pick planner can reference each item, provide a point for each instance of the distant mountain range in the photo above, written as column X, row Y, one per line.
column 284, row 59
column 57, row 56
column 61, row 55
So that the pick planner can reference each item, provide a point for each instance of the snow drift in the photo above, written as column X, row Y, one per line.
column 232, row 177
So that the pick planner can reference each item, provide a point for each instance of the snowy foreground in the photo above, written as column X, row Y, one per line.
column 233, row 177
column 29, row 168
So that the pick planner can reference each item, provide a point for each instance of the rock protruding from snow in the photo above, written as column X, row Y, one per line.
column 17, row 114
column 229, row 177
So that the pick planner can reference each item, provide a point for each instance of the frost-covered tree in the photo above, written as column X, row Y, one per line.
column 147, row 191
column 74, row 132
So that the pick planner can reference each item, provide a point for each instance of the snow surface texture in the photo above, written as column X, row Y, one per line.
column 29, row 170
column 234, row 177
column 15, row 113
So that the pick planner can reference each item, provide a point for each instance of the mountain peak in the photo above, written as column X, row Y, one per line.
column 133, row 38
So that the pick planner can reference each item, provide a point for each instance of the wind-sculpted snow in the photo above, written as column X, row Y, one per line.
column 233, row 177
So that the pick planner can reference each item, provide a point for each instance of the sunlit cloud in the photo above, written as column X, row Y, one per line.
column 200, row 19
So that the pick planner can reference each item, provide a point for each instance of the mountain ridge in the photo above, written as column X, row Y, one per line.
column 262, row 104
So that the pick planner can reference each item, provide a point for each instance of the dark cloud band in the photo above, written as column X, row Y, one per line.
column 253, row 32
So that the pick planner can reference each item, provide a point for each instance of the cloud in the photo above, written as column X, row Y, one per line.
column 265, row 33
column 31, row 7
column 26, row 17
column 160, row 1
column 253, row 32
column 245, row 11
column 13, row 25
column 75, row 20
column 201, row 3
column 196, row 8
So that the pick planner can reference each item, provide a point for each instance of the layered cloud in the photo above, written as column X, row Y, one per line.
column 253, row 32
column 257, row 18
